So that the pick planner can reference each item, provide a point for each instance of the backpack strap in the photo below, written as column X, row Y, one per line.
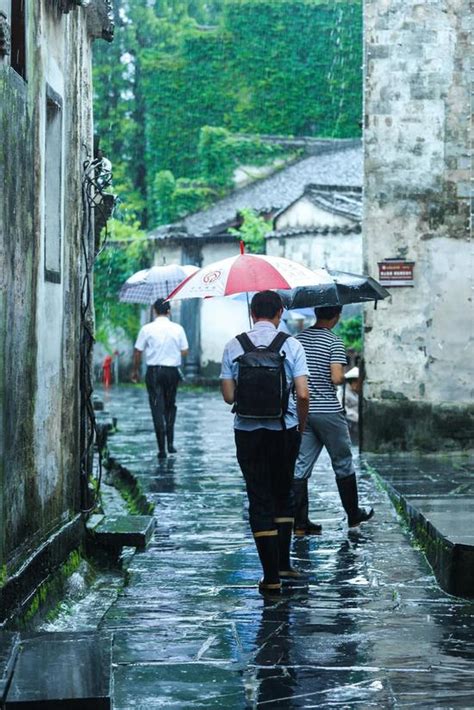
column 246, row 343
column 278, row 341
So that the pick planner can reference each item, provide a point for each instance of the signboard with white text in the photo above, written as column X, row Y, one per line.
column 396, row 272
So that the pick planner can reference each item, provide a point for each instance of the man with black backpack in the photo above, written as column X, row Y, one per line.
column 260, row 369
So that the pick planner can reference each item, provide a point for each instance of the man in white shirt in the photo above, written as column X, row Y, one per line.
column 165, row 344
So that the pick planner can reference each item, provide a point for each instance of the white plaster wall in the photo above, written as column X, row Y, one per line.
column 417, row 180
column 168, row 253
column 221, row 319
column 49, row 319
column 58, row 45
column 217, row 251
column 342, row 252
column 421, row 340
column 304, row 213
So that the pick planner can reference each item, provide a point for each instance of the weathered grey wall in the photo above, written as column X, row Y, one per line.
column 40, row 323
column 418, row 169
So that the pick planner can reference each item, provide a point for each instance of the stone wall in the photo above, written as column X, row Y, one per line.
column 418, row 172
column 40, row 312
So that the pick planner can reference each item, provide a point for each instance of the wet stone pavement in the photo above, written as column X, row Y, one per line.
column 372, row 629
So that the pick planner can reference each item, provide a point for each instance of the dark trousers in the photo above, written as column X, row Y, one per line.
column 162, row 384
column 267, row 460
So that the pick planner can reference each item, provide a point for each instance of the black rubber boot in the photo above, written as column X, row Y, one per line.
column 160, row 438
column 303, row 525
column 170, row 431
column 170, row 440
column 350, row 501
column 286, row 571
column 268, row 551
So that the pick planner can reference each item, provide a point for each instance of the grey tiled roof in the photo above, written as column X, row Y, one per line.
column 347, row 203
column 339, row 167
column 310, row 231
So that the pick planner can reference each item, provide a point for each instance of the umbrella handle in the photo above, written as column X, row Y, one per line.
column 248, row 306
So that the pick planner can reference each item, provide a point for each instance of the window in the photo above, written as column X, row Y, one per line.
column 53, row 186
column 18, row 37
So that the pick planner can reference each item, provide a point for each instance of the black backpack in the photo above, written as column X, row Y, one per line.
column 261, row 391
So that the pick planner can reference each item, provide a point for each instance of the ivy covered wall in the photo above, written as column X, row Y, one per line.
column 271, row 67
column 287, row 67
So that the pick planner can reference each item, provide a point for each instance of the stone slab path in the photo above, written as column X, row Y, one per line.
column 372, row 629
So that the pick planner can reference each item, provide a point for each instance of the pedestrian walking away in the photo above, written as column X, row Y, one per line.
column 326, row 425
column 349, row 395
column 258, row 370
column 164, row 344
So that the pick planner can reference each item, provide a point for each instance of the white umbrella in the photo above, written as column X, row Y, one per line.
column 147, row 285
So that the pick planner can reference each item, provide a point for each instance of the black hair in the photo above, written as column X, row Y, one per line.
column 161, row 306
column 266, row 304
column 327, row 312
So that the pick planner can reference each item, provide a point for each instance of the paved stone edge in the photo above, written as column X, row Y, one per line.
column 452, row 563
column 129, row 487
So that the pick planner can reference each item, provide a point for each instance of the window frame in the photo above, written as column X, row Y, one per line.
column 18, row 22
column 53, row 102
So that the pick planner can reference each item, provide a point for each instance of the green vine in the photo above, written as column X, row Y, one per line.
column 183, row 80
column 252, row 232
column 124, row 254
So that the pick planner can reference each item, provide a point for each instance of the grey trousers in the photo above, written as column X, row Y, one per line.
column 329, row 430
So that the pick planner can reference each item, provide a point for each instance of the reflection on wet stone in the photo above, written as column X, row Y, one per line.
column 370, row 629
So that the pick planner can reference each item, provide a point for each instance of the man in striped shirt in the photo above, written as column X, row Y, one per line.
column 326, row 424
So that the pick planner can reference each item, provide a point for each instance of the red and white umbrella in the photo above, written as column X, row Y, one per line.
column 247, row 272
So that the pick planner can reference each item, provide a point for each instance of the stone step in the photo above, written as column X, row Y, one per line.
column 62, row 670
column 443, row 527
column 9, row 647
column 437, row 502
column 116, row 531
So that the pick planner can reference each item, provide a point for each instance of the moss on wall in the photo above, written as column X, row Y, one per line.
column 39, row 455
column 48, row 594
column 400, row 424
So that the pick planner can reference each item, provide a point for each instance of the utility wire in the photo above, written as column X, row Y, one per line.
column 97, row 178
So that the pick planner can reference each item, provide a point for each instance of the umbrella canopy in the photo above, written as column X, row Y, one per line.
column 157, row 282
column 247, row 273
column 343, row 288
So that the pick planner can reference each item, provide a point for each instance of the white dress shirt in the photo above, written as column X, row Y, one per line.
column 162, row 340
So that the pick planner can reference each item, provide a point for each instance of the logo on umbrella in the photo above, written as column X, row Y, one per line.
column 211, row 276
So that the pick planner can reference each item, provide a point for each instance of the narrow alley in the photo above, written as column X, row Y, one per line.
column 372, row 628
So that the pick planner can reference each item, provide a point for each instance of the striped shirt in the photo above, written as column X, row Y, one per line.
column 322, row 348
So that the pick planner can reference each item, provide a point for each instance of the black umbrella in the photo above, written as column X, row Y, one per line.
column 345, row 288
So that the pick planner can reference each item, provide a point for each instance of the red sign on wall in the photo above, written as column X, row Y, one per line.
column 396, row 272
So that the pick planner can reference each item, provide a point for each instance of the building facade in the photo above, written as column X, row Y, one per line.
column 321, row 229
column 46, row 247
column 418, row 188
column 314, row 204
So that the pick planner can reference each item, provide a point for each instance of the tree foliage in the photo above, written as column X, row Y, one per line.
column 126, row 252
column 350, row 331
column 184, row 79
column 183, row 94
column 252, row 231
